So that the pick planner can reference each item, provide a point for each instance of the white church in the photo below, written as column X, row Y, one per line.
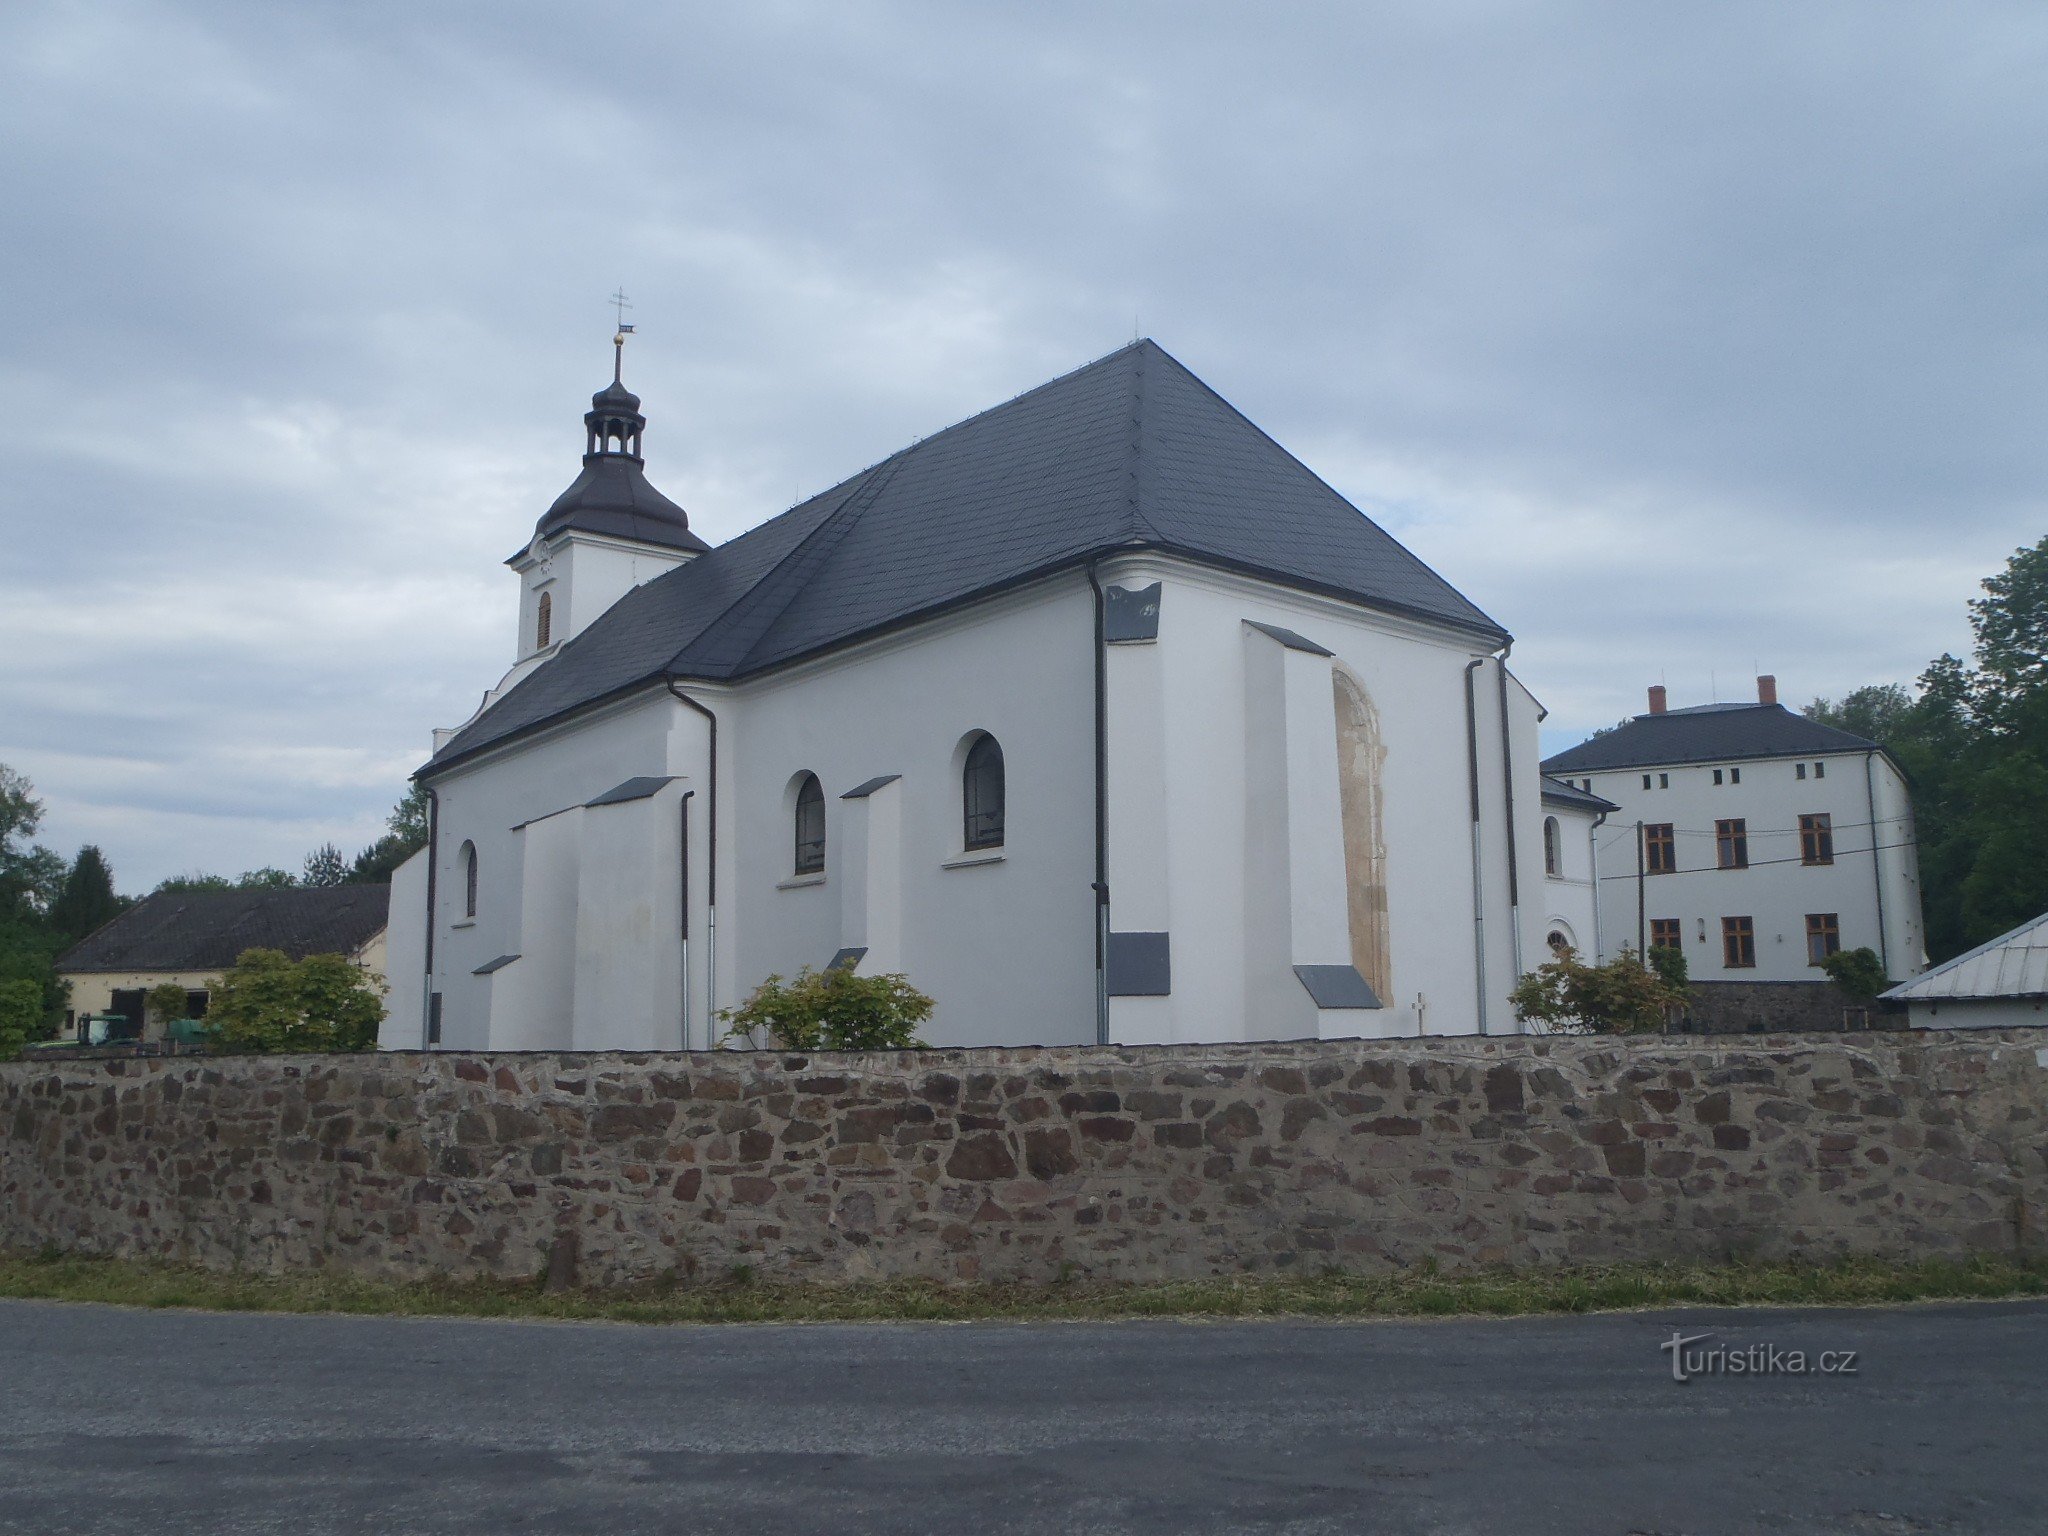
column 1097, row 715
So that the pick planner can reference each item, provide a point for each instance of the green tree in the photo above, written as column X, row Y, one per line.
column 325, row 866
column 87, row 899
column 406, row 836
column 21, row 1015
column 1858, row 972
column 2011, row 623
column 1973, row 744
column 408, row 821
column 1622, row 997
column 832, row 1010
column 166, row 1000
column 1876, row 713
column 269, row 1002
column 31, row 879
column 195, row 881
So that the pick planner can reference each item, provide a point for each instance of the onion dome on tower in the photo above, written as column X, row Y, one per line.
column 612, row 497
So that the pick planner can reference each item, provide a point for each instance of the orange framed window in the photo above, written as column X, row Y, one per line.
column 1731, row 843
column 1823, row 936
column 1660, row 848
column 1817, row 839
column 1738, row 943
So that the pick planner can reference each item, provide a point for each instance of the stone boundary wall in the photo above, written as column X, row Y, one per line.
column 1118, row 1163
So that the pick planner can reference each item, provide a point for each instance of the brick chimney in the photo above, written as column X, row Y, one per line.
column 1656, row 698
column 1767, row 689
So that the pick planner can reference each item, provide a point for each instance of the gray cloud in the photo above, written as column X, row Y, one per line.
column 1682, row 338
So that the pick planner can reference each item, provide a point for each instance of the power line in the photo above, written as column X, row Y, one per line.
column 1658, row 874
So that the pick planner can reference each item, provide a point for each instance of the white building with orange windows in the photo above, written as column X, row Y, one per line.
column 1098, row 715
column 1754, row 840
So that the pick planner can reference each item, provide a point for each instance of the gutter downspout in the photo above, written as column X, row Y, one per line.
column 1101, row 813
column 1876, row 857
column 1507, row 786
column 711, row 861
column 433, row 862
column 1593, row 848
column 1478, row 868
column 683, row 876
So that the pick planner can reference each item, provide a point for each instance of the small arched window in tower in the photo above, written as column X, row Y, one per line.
column 1550, row 845
column 469, row 879
column 544, row 621
column 981, row 794
column 810, row 826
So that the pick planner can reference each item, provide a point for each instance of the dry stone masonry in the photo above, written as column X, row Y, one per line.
column 1026, row 1164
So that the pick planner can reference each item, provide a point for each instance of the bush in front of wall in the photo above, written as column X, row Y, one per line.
column 21, row 1015
column 1858, row 972
column 270, row 1002
column 1622, row 997
column 166, row 1000
column 831, row 1010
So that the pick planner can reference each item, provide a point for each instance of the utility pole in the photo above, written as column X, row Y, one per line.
column 1642, row 936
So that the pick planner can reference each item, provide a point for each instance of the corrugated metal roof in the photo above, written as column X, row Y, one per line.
column 1131, row 451
column 2013, row 965
column 1709, row 734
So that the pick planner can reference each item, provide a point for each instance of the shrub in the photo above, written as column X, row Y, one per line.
column 21, row 1016
column 268, row 1002
column 167, row 1001
column 1858, row 972
column 1669, row 964
column 1622, row 997
column 832, row 1010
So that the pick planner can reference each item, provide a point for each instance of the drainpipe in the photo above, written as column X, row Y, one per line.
column 683, row 878
column 1593, row 849
column 1101, row 813
column 1478, row 868
column 433, row 863
column 711, row 861
column 1507, row 785
column 1876, row 859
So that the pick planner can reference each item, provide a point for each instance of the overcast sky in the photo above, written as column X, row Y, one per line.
column 1682, row 338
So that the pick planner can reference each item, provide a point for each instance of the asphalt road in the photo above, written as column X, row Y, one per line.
column 117, row 1421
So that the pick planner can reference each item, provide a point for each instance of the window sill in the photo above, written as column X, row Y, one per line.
column 463, row 922
column 973, row 860
column 798, row 882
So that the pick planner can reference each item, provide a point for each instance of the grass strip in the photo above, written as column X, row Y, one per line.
column 739, row 1298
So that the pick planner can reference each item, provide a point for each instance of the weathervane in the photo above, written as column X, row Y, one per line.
column 620, row 303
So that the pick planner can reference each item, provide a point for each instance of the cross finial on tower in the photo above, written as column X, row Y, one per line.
column 620, row 304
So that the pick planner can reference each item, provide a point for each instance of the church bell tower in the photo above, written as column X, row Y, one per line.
column 606, row 534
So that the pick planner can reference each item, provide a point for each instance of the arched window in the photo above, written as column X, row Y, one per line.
column 981, row 794
column 544, row 621
column 810, row 826
column 1560, row 942
column 469, row 879
column 1550, row 845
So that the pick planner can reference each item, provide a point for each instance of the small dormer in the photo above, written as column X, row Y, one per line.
column 606, row 534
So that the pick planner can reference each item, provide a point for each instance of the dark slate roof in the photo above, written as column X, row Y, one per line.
column 612, row 496
column 208, row 930
column 1557, row 792
column 633, row 789
column 1713, row 733
column 1130, row 451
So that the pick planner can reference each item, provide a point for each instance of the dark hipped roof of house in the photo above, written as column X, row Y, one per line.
column 1706, row 733
column 1558, row 792
column 208, row 930
column 1131, row 451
